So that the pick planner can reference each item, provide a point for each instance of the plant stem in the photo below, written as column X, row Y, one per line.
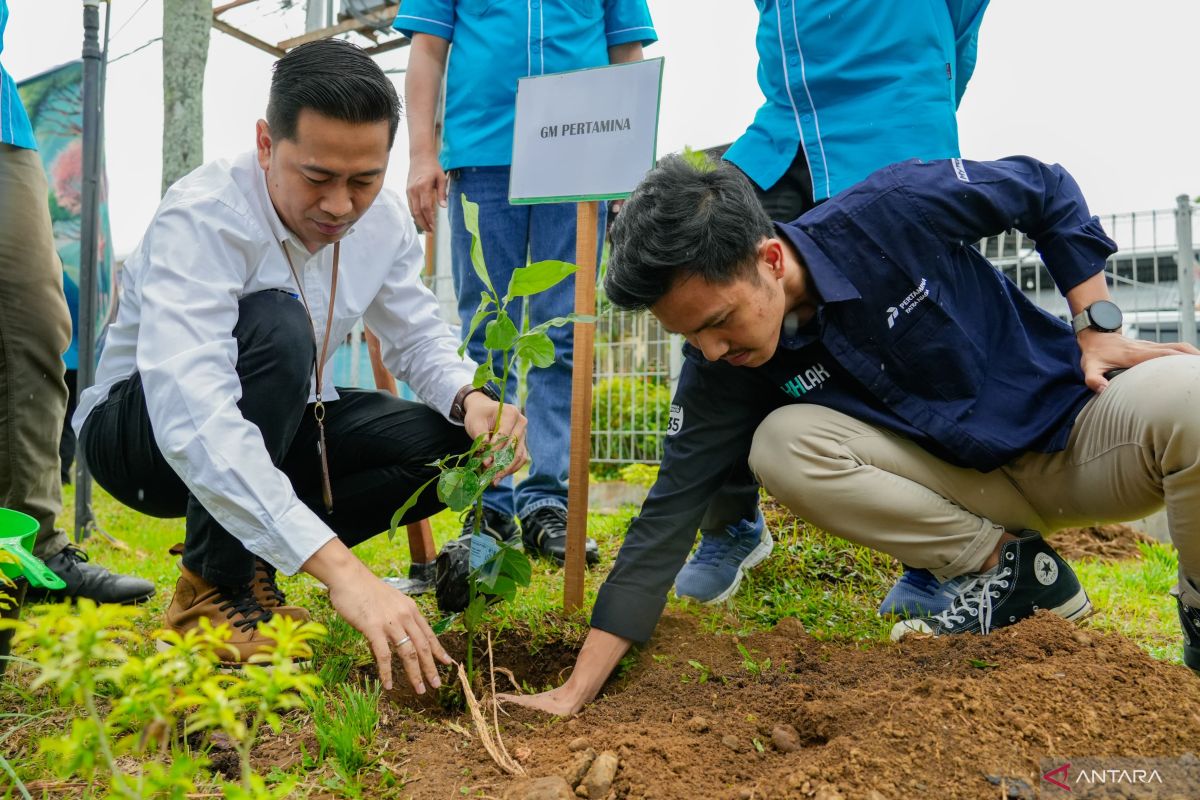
column 244, row 749
column 89, row 702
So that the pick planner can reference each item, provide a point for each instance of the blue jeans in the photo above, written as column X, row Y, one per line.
column 513, row 236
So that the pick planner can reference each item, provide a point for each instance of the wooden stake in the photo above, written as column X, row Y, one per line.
column 586, row 222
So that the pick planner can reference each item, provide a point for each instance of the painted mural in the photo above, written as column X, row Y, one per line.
column 54, row 101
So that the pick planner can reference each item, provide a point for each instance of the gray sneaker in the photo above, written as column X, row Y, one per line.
column 714, row 573
column 1030, row 576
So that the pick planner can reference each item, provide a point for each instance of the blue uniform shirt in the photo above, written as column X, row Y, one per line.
column 495, row 43
column 915, row 332
column 859, row 83
column 14, row 122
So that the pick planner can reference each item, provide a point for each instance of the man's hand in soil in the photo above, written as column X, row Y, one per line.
column 480, row 418
column 600, row 655
column 1107, row 351
column 389, row 619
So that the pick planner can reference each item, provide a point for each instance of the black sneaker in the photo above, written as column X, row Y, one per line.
column 1030, row 576
column 494, row 524
column 91, row 581
column 544, row 532
column 1189, row 620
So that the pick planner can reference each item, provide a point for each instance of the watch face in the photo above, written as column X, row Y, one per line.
column 1105, row 315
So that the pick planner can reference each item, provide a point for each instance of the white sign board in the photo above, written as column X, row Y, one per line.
column 590, row 134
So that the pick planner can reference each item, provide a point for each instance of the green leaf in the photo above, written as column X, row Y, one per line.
column 536, row 348
column 504, row 588
column 504, row 456
column 488, row 572
column 538, row 277
column 458, row 488
column 979, row 663
column 409, row 503
column 515, row 565
column 558, row 322
column 483, row 374
column 500, row 333
column 471, row 222
column 479, row 317
column 475, row 611
column 443, row 624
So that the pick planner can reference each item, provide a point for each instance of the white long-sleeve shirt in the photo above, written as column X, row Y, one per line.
column 215, row 239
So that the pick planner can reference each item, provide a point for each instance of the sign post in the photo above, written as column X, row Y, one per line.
column 584, row 137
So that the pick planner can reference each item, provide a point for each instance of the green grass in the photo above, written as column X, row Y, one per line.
column 1132, row 599
column 830, row 585
column 345, row 722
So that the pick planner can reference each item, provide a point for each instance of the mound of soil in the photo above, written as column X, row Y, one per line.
column 1103, row 542
column 969, row 717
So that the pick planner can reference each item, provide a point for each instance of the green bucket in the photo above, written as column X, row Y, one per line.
column 17, row 534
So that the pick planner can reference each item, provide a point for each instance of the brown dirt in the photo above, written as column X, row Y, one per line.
column 923, row 719
column 1103, row 542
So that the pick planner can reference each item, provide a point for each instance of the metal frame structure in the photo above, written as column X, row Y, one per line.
column 370, row 25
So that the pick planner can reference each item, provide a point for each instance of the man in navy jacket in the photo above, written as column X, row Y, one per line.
column 889, row 385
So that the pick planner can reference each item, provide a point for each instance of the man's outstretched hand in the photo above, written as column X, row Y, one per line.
column 561, row 702
column 600, row 654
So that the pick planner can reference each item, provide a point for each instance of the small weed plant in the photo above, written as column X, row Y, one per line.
column 135, row 716
column 345, row 723
column 497, row 569
column 751, row 665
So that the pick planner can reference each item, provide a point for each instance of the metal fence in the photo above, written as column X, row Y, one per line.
column 1152, row 279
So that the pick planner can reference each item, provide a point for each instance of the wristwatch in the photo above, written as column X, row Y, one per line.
column 458, row 409
column 1100, row 316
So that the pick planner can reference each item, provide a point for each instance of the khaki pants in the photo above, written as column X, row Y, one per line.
column 35, row 329
column 1133, row 448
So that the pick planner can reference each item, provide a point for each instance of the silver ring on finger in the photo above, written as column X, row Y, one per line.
column 404, row 641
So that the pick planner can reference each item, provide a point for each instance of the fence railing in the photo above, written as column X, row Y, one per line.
column 1152, row 279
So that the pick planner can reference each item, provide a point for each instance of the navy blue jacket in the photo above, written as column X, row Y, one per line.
column 915, row 332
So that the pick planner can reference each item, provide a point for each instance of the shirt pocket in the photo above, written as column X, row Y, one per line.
column 933, row 357
column 588, row 9
column 475, row 8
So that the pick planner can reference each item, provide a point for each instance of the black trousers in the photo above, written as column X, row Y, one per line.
column 379, row 446
column 787, row 199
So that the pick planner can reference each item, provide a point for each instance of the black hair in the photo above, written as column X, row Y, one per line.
column 684, row 220
column 336, row 79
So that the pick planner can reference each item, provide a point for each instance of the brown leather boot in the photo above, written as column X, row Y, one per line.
column 271, row 597
column 196, row 598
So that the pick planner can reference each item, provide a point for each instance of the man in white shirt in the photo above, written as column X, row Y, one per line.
column 213, row 397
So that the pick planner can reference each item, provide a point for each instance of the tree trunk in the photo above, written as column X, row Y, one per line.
column 185, row 52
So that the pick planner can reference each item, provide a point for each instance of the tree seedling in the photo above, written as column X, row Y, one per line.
column 497, row 569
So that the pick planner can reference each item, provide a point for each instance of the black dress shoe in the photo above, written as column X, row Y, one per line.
column 544, row 531
column 91, row 581
column 494, row 524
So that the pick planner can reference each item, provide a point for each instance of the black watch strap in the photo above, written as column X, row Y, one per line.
column 458, row 409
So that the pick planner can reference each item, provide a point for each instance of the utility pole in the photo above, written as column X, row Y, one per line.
column 185, row 53
column 88, row 239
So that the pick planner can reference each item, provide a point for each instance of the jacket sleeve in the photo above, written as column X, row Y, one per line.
column 964, row 201
column 715, row 411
